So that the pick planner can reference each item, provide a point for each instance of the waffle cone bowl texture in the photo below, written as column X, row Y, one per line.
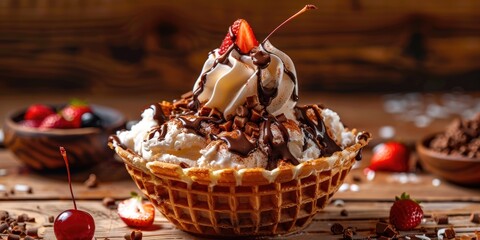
column 248, row 202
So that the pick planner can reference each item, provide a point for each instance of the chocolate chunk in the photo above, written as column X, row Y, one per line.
column 344, row 213
column 32, row 231
column 215, row 113
column 51, row 219
column 3, row 215
column 241, row 111
column 204, row 111
column 441, row 219
column 18, row 230
column 31, row 219
column 449, row 233
column 226, row 126
column 13, row 237
column 251, row 127
column 381, row 227
column 3, row 227
column 336, row 228
column 22, row 217
column 256, row 116
column 239, row 122
column 390, row 232
column 91, row 182
column 475, row 218
column 109, row 202
column 134, row 235
column 252, row 102
column 348, row 234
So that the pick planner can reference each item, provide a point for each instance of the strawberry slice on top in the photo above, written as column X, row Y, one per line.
column 240, row 34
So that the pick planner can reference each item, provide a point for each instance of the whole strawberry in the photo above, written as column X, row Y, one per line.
column 74, row 111
column 38, row 112
column 405, row 214
column 390, row 156
column 55, row 121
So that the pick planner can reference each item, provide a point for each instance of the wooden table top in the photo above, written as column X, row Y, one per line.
column 366, row 200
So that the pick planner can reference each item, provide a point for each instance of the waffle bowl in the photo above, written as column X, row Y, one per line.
column 248, row 202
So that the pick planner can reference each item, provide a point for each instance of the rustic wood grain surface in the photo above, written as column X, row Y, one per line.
column 134, row 46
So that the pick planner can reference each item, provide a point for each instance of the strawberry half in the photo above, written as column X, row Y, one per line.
column 405, row 213
column 55, row 121
column 240, row 34
column 390, row 156
column 74, row 111
column 38, row 112
column 135, row 212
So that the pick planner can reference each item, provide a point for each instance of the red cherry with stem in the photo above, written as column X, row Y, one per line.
column 304, row 9
column 73, row 224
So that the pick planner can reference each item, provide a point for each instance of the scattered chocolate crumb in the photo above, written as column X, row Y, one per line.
column 449, row 233
column 22, row 218
column 356, row 178
column 32, row 232
column 336, row 228
column 134, row 235
column 91, row 182
column 441, row 219
column 348, row 234
column 475, row 218
column 3, row 227
column 344, row 213
column 109, row 202
column 13, row 237
column 51, row 219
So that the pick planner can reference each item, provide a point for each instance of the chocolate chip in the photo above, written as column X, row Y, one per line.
column 109, row 202
column 449, row 233
column 441, row 219
column 344, row 213
column 226, row 126
column 251, row 127
column 32, row 232
column 336, row 228
column 475, row 218
column 241, row 111
column 134, row 235
column 239, row 122
column 91, row 182
column 51, row 219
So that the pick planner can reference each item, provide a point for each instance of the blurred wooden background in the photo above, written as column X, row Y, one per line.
column 129, row 46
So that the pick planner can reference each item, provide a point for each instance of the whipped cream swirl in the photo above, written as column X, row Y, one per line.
column 227, row 80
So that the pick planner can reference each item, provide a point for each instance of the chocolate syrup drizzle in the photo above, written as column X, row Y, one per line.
column 316, row 131
column 240, row 144
column 276, row 151
column 158, row 114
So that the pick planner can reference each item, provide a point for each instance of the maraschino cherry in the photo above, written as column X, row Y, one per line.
column 73, row 224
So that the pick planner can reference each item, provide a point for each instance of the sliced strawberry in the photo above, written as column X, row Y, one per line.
column 241, row 34
column 135, row 212
column 38, row 112
column 74, row 111
column 405, row 213
column 390, row 156
column 55, row 121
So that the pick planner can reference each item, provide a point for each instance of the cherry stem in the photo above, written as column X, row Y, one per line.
column 304, row 9
column 64, row 155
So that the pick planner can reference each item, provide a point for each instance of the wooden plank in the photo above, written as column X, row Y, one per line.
column 148, row 45
column 362, row 216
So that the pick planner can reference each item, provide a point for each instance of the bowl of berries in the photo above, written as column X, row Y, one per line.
column 34, row 133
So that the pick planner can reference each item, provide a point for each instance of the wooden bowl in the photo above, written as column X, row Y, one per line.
column 39, row 149
column 457, row 169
